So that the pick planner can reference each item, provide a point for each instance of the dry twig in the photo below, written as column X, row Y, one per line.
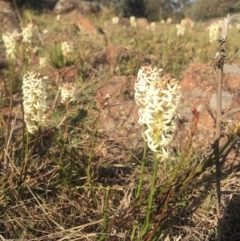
column 218, row 69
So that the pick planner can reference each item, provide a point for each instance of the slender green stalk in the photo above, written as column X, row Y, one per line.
column 153, row 182
column 105, row 217
column 88, row 170
column 133, row 232
column 143, row 163
column 28, row 156
column 147, row 222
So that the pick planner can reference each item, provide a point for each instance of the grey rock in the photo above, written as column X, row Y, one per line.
column 231, row 69
column 226, row 100
column 235, row 18
column 64, row 6
column 84, row 7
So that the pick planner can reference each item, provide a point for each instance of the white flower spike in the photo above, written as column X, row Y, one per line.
column 158, row 97
column 34, row 100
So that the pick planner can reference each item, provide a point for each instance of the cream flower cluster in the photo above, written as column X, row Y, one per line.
column 34, row 100
column 152, row 26
column 115, row 20
column 180, row 29
column 68, row 91
column 133, row 22
column 67, row 48
column 169, row 21
column 10, row 41
column 27, row 33
column 214, row 31
column 157, row 96
column 42, row 62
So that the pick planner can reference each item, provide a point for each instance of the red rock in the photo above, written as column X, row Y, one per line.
column 187, row 22
column 142, row 22
column 85, row 25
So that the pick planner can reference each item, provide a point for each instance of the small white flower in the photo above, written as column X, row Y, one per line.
column 180, row 29
column 169, row 20
column 35, row 49
column 42, row 61
column 214, row 31
column 10, row 44
column 27, row 33
column 164, row 153
column 58, row 17
column 115, row 20
column 67, row 48
column 153, row 26
column 68, row 91
column 133, row 22
column 45, row 31
column 167, row 97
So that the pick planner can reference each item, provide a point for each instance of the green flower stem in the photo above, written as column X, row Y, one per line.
column 177, row 169
column 150, row 199
column 105, row 219
column 89, row 172
column 153, row 182
column 143, row 163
